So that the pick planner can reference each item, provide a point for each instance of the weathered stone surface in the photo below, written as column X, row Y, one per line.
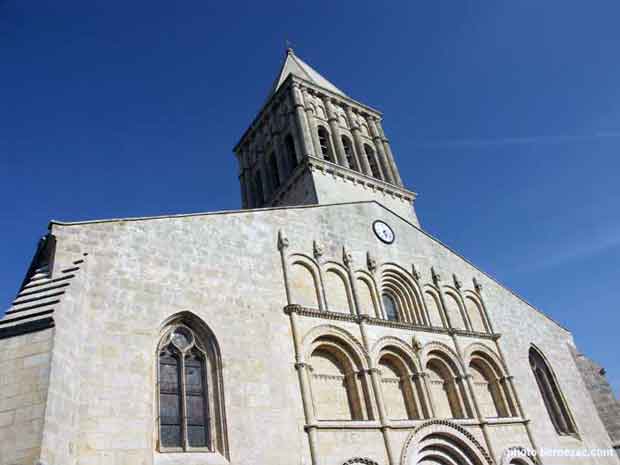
column 308, row 367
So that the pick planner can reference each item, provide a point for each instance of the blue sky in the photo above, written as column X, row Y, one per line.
column 503, row 116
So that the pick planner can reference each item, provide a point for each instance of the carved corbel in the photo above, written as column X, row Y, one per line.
column 371, row 262
column 282, row 240
column 415, row 344
column 436, row 276
column 415, row 273
column 347, row 258
column 317, row 250
column 477, row 285
column 457, row 282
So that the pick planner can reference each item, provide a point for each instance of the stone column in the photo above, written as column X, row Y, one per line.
column 348, row 262
column 362, row 159
column 378, row 393
column 411, row 381
column 390, row 155
column 312, row 123
column 426, row 394
column 302, row 122
column 332, row 118
column 383, row 161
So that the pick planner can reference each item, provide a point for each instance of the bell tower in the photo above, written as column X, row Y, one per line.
column 312, row 144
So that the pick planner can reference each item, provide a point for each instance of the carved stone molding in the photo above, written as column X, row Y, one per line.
column 327, row 315
column 317, row 249
column 457, row 282
column 347, row 257
column 371, row 263
column 415, row 273
column 283, row 242
column 360, row 461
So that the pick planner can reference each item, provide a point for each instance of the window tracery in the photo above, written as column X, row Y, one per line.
column 553, row 399
column 190, row 393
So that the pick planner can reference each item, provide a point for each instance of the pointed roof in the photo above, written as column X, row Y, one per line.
column 295, row 65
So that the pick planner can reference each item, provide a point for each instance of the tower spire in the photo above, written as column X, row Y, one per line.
column 309, row 128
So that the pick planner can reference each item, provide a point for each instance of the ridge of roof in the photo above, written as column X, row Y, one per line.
column 292, row 64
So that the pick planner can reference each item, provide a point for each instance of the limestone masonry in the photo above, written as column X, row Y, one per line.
column 319, row 325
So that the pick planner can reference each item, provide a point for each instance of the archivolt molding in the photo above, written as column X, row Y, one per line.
column 332, row 265
column 337, row 333
column 474, row 296
column 360, row 273
column 396, row 267
column 474, row 347
column 447, row 428
column 306, row 260
column 197, row 323
column 442, row 348
column 383, row 345
column 360, row 461
column 431, row 288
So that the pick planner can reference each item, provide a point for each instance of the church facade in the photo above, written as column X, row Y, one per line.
column 319, row 325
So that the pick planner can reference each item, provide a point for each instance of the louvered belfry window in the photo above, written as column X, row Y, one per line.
column 183, row 400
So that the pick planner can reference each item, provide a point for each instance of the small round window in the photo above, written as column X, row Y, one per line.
column 182, row 338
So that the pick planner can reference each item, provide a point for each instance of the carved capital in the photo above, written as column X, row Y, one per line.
column 436, row 276
column 457, row 282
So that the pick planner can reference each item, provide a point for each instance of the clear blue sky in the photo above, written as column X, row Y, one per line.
column 504, row 116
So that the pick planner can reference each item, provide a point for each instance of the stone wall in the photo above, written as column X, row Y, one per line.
column 607, row 405
column 227, row 270
column 24, row 381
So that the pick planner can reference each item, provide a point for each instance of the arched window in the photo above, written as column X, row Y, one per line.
column 348, row 151
column 275, row 176
column 404, row 295
column 326, row 149
column 372, row 161
column 291, row 155
column 488, row 389
column 190, row 391
column 551, row 394
column 338, row 390
column 401, row 394
column 390, row 307
column 446, row 386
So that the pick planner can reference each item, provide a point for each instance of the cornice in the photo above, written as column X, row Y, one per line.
column 337, row 316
